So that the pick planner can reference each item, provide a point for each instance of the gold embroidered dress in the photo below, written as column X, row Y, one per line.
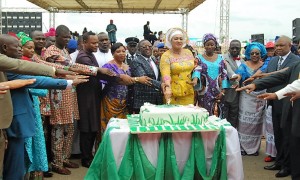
column 177, row 71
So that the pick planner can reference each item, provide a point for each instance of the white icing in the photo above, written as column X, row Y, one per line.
column 172, row 115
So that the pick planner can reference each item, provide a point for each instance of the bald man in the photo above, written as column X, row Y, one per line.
column 16, row 66
column 281, row 132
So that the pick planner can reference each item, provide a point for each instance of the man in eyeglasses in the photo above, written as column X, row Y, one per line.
column 233, row 61
column 143, row 65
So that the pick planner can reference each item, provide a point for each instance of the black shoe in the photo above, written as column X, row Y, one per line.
column 284, row 172
column 243, row 153
column 48, row 174
column 86, row 164
column 274, row 166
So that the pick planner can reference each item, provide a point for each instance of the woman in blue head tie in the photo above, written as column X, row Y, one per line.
column 251, row 109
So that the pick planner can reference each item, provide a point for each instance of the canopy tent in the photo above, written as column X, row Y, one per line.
column 119, row 6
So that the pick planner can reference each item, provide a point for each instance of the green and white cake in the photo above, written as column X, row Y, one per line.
column 151, row 115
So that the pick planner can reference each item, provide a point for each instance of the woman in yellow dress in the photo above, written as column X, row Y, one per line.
column 176, row 66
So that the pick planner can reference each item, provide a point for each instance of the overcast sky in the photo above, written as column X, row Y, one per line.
column 271, row 17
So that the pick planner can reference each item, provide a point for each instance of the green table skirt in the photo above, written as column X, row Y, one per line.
column 135, row 164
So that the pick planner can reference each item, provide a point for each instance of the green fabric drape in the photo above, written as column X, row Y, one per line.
column 135, row 164
column 172, row 171
column 103, row 165
column 218, row 169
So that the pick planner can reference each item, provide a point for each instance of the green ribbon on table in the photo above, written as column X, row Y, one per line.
column 172, row 171
column 103, row 165
column 135, row 164
column 218, row 169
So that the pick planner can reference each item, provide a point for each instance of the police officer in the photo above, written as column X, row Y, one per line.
column 132, row 49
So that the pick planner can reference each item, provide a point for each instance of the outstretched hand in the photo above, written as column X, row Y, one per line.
column 18, row 83
column 58, row 59
column 255, row 76
column 78, row 70
column 268, row 96
column 126, row 80
column 53, row 58
column 62, row 73
column 249, row 80
column 249, row 88
column 145, row 80
column 107, row 71
column 3, row 88
column 77, row 81
column 236, row 77
column 72, row 77
column 293, row 95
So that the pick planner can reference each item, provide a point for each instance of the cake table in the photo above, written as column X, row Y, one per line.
column 179, row 155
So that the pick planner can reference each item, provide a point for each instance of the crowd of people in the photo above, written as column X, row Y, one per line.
column 94, row 78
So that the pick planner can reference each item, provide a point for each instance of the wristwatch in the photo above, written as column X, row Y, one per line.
column 136, row 79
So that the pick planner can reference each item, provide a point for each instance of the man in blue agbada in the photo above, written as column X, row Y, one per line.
column 111, row 30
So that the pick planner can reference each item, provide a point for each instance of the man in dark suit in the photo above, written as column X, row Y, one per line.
column 290, row 119
column 231, row 99
column 284, row 59
column 130, row 56
column 88, row 96
column 143, row 65
column 281, row 131
column 147, row 31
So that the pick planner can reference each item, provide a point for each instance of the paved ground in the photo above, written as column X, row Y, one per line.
column 253, row 169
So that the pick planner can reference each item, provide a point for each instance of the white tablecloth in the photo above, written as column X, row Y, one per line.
column 182, row 144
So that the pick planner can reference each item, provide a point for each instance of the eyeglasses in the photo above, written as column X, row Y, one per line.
column 145, row 47
column 255, row 53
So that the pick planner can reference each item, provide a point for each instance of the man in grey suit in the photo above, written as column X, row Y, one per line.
column 231, row 99
column 143, row 65
column 282, row 133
